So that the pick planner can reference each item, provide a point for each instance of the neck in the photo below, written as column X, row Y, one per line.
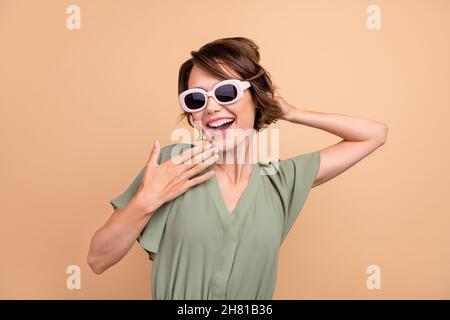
column 236, row 164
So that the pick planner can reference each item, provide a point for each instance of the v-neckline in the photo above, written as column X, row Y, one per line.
column 244, row 200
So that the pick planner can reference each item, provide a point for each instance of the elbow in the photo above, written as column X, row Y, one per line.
column 381, row 136
column 95, row 264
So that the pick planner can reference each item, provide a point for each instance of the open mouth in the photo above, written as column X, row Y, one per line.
column 221, row 124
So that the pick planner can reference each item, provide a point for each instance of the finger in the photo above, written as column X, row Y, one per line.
column 201, row 166
column 188, row 154
column 153, row 159
column 197, row 180
column 201, row 157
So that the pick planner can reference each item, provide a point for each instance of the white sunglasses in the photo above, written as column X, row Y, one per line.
column 224, row 92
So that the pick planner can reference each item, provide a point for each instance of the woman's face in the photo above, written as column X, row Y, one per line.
column 242, row 112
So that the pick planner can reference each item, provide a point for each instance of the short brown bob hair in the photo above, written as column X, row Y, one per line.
column 242, row 56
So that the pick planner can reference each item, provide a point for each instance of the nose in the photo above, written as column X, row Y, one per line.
column 212, row 106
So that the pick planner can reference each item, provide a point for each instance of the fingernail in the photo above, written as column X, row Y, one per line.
column 156, row 144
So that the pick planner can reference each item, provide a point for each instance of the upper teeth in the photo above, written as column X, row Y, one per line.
column 220, row 122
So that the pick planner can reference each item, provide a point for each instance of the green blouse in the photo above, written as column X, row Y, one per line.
column 200, row 250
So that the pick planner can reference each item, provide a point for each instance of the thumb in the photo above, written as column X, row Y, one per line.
column 153, row 160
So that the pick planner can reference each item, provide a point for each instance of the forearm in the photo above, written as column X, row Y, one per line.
column 113, row 240
column 349, row 128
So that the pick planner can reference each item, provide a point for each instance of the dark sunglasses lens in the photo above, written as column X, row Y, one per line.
column 194, row 100
column 226, row 93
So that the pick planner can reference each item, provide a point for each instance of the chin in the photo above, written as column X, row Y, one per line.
column 228, row 140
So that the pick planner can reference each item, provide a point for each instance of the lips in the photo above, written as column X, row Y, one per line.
column 220, row 123
column 219, row 126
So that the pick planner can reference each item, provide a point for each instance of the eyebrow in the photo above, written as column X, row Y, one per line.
column 198, row 87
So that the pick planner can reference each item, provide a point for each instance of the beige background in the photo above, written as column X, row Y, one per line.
column 80, row 110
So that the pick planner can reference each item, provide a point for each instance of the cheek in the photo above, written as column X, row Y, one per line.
column 246, row 115
column 197, row 116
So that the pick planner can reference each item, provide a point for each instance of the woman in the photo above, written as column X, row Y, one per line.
column 213, row 228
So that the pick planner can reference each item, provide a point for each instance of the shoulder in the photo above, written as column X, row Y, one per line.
column 283, row 170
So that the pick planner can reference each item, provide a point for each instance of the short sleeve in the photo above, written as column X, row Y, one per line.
column 152, row 234
column 122, row 200
column 296, row 177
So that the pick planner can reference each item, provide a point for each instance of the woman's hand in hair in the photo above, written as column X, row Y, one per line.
column 287, row 110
